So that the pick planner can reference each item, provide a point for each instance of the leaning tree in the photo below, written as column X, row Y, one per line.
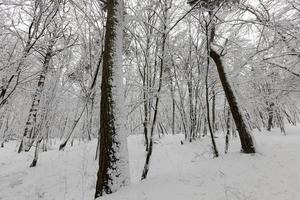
column 211, row 7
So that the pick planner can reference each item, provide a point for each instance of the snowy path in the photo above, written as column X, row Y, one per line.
column 178, row 172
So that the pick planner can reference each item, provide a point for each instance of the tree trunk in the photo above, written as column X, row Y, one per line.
column 113, row 171
column 29, row 136
column 191, row 109
column 5, row 129
column 215, row 150
column 227, row 131
column 245, row 136
column 146, row 106
column 36, row 153
column 270, row 115
column 208, row 41
column 75, row 122
column 150, row 148
column 213, row 109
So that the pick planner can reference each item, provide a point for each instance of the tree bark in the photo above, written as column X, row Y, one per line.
column 113, row 171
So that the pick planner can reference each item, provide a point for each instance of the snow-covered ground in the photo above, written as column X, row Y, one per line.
column 177, row 172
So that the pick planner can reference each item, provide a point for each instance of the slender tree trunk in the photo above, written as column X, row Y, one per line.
column 213, row 109
column 162, row 59
column 75, row 122
column 43, row 127
column 172, row 90
column 191, row 117
column 113, row 171
column 29, row 136
column 227, row 131
column 205, row 127
column 270, row 116
column 146, row 106
column 146, row 89
column 173, row 112
column 216, row 153
column 150, row 149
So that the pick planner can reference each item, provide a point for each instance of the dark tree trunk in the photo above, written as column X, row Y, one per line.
column 245, row 136
column 146, row 108
column 191, row 109
column 173, row 115
column 146, row 91
column 270, row 116
column 205, row 127
column 213, row 110
column 227, row 131
column 113, row 171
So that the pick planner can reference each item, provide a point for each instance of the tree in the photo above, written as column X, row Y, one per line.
column 53, row 33
column 210, row 7
column 113, row 171
column 29, row 132
column 42, row 15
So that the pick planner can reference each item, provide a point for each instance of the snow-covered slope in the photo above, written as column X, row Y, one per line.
column 177, row 172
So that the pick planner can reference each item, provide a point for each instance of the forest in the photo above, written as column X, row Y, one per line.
column 154, row 99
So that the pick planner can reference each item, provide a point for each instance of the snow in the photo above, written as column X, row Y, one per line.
column 177, row 171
